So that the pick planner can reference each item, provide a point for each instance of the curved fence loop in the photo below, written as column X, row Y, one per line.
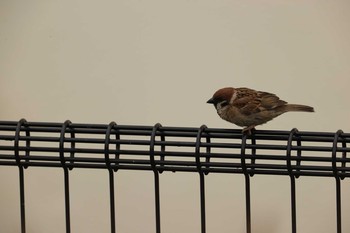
column 243, row 148
column 106, row 147
column 16, row 141
column 198, row 146
column 64, row 127
column 72, row 147
column 117, row 147
column 334, row 152
column 152, row 144
column 252, row 169
column 289, row 151
column 299, row 158
column 343, row 163
column 208, row 151
column 162, row 150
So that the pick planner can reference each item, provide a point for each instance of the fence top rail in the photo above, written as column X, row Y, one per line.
column 168, row 148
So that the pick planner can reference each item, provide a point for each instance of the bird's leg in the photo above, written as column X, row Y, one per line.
column 248, row 130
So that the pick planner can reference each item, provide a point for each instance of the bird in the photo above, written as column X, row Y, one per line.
column 248, row 108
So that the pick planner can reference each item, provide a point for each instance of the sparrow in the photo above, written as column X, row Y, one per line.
column 248, row 108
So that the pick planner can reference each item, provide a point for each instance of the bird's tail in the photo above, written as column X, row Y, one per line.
column 298, row 108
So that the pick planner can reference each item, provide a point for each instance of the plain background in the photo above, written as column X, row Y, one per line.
column 142, row 62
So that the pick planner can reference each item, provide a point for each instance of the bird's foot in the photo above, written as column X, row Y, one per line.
column 248, row 130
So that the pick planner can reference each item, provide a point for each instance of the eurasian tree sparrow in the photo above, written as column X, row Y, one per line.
column 247, row 107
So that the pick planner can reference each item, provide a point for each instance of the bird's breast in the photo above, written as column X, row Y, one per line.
column 233, row 115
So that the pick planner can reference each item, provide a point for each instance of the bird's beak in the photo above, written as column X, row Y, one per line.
column 210, row 101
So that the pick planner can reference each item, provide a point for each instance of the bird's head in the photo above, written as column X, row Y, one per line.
column 222, row 97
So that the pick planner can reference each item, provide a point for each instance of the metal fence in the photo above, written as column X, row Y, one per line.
column 160, row 149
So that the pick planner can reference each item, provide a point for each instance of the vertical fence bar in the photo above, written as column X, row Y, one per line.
column 66, row 174
column 112, row 201
column 21, row 174
column 338, row 203
column 156, row 176
column 293, row 204
column 22, row 200
column 67, row 199
column 111, row 177
column 157, row 201
column 201, row 177
column 247, row 183
column 292, row 179
column 337, row 179
column 248, row 209
column 202, row 197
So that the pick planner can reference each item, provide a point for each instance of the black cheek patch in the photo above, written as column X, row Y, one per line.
column 223, row 104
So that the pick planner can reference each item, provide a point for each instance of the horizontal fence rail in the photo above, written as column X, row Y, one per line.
column 173, row 149
column 160, row 148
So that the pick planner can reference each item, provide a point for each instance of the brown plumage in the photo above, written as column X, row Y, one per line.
column 247, row 107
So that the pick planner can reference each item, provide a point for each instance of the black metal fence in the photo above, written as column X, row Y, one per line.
column 160, row 149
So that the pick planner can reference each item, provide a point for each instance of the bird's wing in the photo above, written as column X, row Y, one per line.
column 250, row 101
